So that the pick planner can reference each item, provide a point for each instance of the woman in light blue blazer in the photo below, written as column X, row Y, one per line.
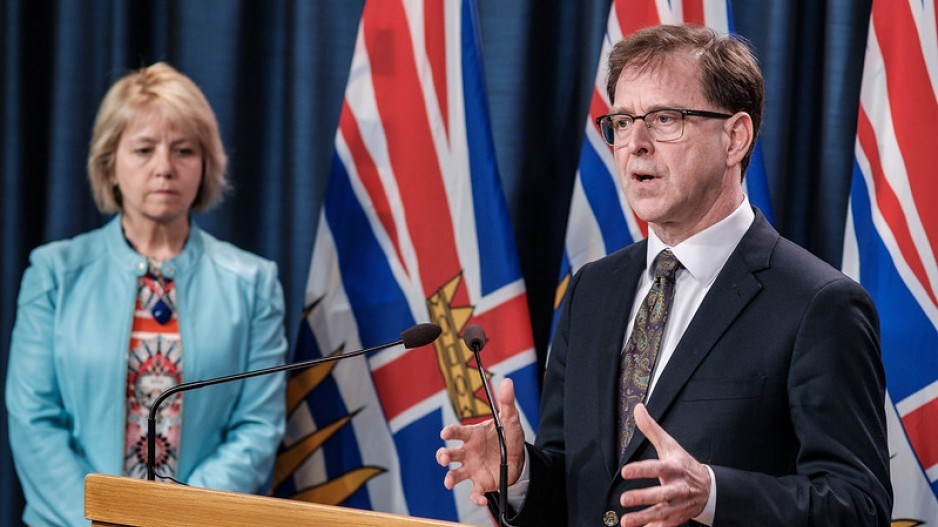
column 109, row 319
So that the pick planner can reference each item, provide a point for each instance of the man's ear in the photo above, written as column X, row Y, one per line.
column 740, row 134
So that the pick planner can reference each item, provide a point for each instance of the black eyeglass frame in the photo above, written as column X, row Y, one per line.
column 683, row 111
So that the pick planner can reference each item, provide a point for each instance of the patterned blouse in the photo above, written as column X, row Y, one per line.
column 154, row 364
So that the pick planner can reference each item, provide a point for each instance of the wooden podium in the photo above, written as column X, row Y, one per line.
column 112, row 501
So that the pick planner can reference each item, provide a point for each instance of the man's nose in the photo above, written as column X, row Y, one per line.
column 640, row 140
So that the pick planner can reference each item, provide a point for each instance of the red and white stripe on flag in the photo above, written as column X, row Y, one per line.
column 892, row 236
column 414, row 228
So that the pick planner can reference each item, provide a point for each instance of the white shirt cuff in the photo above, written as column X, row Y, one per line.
column 710, row 509
column 519, row 490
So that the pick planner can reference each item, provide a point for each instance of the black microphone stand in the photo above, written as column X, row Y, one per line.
column 476, row 345
column 419, row 335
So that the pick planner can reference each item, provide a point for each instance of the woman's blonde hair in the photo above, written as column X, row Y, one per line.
column 183, row 105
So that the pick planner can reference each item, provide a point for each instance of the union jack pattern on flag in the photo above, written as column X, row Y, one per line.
column 600, row 220
column 892, row 233
column 414, row 228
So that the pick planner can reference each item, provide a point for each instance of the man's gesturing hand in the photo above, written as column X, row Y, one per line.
column 478, row 455
column 685, row 483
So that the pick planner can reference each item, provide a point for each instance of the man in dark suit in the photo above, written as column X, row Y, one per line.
column 760, row 361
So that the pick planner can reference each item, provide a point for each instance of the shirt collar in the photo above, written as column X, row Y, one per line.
column 704, row 253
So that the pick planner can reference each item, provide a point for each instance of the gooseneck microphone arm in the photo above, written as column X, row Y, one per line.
column 474, row 337
column 414, row 337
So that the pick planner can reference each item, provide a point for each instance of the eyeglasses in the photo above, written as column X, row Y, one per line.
column 663, row 124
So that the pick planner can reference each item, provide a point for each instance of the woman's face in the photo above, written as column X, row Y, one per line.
column 157, row 168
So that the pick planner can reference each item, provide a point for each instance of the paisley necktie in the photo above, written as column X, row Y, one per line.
column 637, row 361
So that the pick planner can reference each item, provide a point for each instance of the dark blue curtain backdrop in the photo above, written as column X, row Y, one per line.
column 275, row 73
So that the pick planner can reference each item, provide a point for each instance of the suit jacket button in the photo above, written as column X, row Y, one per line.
column 610, row 519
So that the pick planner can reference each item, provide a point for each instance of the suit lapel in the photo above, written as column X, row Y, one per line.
column 733, row 289
column 614, row 318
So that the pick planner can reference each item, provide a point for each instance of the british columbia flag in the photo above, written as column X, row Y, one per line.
column 600, row 220
column 892, row 235
column 414, row 228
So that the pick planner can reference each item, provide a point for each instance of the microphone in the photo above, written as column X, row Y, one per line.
column 474, row 338
column 414, row 337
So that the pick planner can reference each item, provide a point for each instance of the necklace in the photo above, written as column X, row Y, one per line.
column 162, row 309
